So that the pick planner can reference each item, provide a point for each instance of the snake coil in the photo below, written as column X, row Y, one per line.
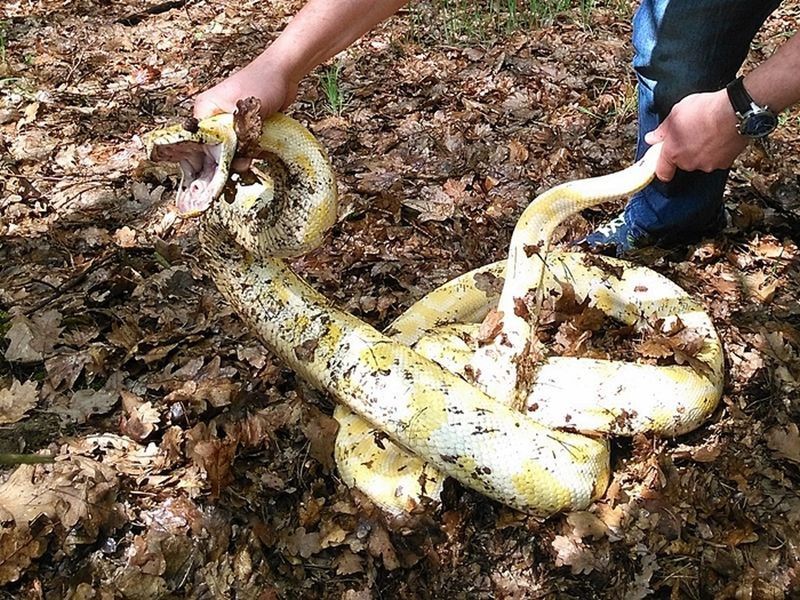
column 538, row 443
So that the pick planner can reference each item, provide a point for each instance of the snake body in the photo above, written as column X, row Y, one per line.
column 409, row 415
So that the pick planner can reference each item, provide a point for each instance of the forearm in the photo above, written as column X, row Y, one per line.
column 320, row 30
column 776, row 82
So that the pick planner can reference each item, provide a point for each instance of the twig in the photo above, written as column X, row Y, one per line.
column 25, row 459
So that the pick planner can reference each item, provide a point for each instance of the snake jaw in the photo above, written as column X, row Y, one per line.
column 203, row 175
column 202, row 179
column 204, row 155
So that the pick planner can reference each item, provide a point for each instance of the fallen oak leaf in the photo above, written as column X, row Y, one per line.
column 380, row 545
column 302, row 543
column 348, row 563
column 74, row 491
column 22, row 345
column 20, row 547
column 321, row 430
column 17, row 400
column 491, row 327
column 761, row 287
column 586, row 524
column 708, row 452
column 489, row 283
column 785, row 441
column 571, row 552
column 30, row 340
column 140, row 418
column 86, row 403
column 517, row 152
column 655, row 347
column 432, row 204
column 567, row 301
column 212, row 455
column 247, row 123
column 125, row 237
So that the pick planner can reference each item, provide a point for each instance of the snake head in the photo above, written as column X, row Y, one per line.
column 204, row 150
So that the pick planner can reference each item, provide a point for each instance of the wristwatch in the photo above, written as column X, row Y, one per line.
column 755, row 121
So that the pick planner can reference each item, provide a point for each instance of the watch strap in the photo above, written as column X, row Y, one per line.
column 741, row 101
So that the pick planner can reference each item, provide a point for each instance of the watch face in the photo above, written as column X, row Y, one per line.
column 758, row 124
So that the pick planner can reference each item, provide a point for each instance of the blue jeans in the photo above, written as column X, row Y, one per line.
column 683, row 47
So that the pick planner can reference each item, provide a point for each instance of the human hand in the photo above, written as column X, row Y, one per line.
column 263, row 81
column 267, row 83
column 699, row 134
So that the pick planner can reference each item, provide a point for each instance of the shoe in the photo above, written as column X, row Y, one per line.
column 617, row 236
column 614, row 235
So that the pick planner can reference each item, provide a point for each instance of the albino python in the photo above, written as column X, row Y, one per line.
column 422, row 403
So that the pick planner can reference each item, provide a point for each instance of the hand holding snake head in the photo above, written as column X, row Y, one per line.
column 256, row 217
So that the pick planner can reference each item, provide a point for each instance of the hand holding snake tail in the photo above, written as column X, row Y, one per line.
column 428, row 411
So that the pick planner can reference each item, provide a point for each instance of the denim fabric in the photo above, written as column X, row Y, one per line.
column 683, row 47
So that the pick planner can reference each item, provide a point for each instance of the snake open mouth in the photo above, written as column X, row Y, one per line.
column 202, row 177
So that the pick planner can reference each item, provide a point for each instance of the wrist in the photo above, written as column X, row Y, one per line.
column 274, row 64
column 754, row 120
column 288, row 57
column 727, row 120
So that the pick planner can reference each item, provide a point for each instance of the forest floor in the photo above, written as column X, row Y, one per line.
column 191, row 464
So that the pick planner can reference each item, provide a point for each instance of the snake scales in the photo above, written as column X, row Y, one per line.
column 525, row 429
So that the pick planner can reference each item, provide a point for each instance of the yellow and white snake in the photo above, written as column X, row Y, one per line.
column 422, row 402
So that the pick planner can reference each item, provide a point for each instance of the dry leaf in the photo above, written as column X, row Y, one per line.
column 125, row 237
column 30, row 112
column 572, row 553
column 381, row 545
column 64, row 368
column 585, row 524
column 17, row 400
column 143, row 75
column 761, row 286
column 708, row 452
column 640, row 587
column 655, row 347
column 785, row 441
column 301, row 543
column 140, row 418
column 769, row 247
column 348, row 563
column 247, row 123
column 19, row 547
column 31, row 339
column 517, row 152
column 85, row 403
column 491, row 327
column 213, row 455
column 321, row 433
column 75, row 491
column 456, row 189
column 432, row 203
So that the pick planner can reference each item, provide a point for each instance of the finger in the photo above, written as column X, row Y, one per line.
column 206, row 108
column 657, row 135
column 665, row 169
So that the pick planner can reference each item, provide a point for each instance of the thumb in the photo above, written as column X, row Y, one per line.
column 210, row 103
column 204, row 108
column 665, row 168
column 659, row 134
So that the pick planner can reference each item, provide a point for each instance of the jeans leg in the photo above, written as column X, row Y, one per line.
column 683, row 47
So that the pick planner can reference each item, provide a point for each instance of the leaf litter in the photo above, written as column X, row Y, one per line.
column 189, row 462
